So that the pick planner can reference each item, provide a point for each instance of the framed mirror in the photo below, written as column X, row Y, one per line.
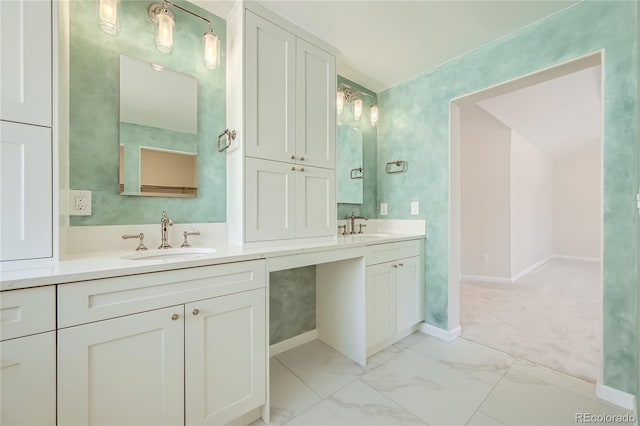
column 350, row 169
column 158, row 130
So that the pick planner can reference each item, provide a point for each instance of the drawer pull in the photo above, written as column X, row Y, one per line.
column 401, row 264
column 394, row 265
column 196, row 311
column 293, row 157
column 175, row 317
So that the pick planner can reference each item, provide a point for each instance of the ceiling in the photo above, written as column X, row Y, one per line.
column 558, row 115
column 380, row 43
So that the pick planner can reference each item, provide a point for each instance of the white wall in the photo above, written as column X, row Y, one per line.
column 577, row 198
column 531, row 205
column 485, row 182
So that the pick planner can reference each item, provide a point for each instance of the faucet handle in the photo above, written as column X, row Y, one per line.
column 140, row 236
column 344, row 229
column 187, row 234
column 362, row 225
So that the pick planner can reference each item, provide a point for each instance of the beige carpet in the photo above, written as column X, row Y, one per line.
column 551, row 316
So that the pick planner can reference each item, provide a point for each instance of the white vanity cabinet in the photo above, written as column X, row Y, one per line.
column 27, row 357
column 394, row 292
column 185, row 346
column 26, row 132
column 281, row 98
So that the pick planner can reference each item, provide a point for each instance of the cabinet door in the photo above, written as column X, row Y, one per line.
column 316, row 106
column 25, row 62
column 28, row 380
column 316, row 202
column 128, row 370
column 270, row 90
column 225, row 357
column 380, row 305
column 410, row 293
column 270, row 204
column 25, row 191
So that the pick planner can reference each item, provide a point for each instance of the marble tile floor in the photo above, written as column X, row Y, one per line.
column 551, row 316
column 422, row 380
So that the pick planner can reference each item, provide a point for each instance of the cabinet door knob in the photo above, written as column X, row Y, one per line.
column 401, row 264
column 302, row 169
column 293, row 157
column 301, row 158
column 175, row 317
column 196, row 311
column 395, row 266
column 293, row 168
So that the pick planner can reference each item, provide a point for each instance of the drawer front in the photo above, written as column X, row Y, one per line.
column 96, row 300
column 27, row 311
column 389, row 252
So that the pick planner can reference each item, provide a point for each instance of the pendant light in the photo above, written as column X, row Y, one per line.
column 211, row 54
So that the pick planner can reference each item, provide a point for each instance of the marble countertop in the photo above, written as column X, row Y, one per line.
column 111, row 264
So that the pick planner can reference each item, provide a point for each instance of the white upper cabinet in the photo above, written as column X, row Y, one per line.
column 26, row 222
column 270, row 90
column 25, row 62
column 315, row 200
column 316, row 112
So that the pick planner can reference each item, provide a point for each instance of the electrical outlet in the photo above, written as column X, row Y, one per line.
column 79, row 203
column 383, row 209
column 415, row 208
column 485, row 258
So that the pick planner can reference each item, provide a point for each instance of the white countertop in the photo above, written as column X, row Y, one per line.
column 110, row 264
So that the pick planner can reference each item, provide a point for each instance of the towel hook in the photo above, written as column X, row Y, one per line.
column 231, row 136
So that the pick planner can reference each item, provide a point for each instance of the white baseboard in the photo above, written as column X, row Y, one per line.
column 586, row 259
column 446, row 335
column 616, row 397
column 293, row 342
column 525, row 271
column 481, row 278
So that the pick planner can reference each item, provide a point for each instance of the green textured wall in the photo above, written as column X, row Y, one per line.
column 292, row 303
column 94, row 113
column 414, row 126
column 370, row 138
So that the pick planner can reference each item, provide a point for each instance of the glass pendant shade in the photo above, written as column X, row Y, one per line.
column 109, row 16
column 357, row 109
column 211, row 43
column 373, row 112
column 165, row 26
column 340, row 101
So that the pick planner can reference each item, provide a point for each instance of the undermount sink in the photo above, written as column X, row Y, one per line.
column 372, row 236
column 168, row 254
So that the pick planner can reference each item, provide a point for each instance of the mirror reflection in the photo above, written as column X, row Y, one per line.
column 350, row 172
column 158, row 130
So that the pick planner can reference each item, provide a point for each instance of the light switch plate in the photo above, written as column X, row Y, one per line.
column 383, row 209
column 415, row 208
column 79, row 203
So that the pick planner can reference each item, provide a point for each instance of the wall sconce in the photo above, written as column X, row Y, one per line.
column 347, row 94
column 165, row 23
column 109, row 16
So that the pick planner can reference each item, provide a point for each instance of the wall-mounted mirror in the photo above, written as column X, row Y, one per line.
column 350, row 169
column 158, row 130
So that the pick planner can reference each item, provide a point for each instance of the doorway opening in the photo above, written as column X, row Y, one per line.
column 525, row 261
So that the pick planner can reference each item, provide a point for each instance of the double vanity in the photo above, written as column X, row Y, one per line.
column 180, row 335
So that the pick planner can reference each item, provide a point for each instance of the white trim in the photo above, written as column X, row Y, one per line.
column 586, row 259
column 525, row 271
column 446, row 335
column 616, row 397
column 486, row 279
column 293, row 342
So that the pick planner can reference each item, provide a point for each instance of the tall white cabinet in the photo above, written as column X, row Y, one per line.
column 26, row 133
column 281, row 171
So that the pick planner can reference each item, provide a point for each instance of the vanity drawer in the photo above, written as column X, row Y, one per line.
column 389, row 252
column 96, row 300
column 27, row 311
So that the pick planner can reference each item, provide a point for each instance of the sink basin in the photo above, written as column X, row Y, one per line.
column 169, row 254
column 373, row 236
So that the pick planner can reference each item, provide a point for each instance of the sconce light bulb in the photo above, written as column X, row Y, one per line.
column 373, row 111
column 357, row 109
column 340, row 101
column 108, row 16
column 211, row 54
column 165, row 26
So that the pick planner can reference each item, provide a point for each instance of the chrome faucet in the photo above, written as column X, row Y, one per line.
column 165, row 222
column 353, row 218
